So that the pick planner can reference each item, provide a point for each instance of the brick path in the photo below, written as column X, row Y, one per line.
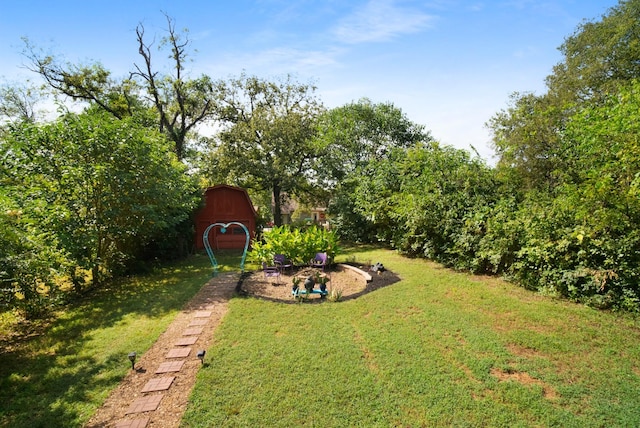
column 156, row 392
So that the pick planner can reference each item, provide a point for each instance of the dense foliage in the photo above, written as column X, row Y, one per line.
column 573, row 150
column 352, row 139
column 85, row 198
column 93, row 194
column 560, row 212
column 296, row 244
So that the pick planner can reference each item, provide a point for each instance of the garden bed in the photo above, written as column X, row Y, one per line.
column 350, row 281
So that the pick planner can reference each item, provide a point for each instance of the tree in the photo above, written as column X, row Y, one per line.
column 91, row 83
column 104, row 188
column 265, row 141
column 352, row 135
column 599, row 56
column 180, row 104
column 18, row 103
column 526, row 137
column 351, row 139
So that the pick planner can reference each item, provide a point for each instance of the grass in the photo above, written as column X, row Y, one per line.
column 438, row 348
column 59, row 372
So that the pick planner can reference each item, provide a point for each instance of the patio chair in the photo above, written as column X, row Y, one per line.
column 320, row 260
column 271, row 271
column 282, row 262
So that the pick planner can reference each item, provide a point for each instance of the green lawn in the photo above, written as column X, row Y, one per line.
column 60, row 375
column 438, row 348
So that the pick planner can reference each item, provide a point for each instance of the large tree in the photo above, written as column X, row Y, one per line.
column 350, row 139
column 104, row 188
column 599, row 58
column 526, row 136
column 265, row 140
column 352, row 135
column 179, row 103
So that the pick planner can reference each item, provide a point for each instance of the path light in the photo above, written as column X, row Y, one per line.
column 200, row 355
column 132, row 358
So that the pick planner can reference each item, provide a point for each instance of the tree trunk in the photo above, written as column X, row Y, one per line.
column 277, row 208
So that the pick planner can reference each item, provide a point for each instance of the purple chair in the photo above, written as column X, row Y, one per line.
column 271, row 271
column 320, row 260
column 282, row 262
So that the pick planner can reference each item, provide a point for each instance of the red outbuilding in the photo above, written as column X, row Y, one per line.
column 225, row 204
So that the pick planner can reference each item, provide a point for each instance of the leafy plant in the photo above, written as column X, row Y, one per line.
column 100, row 193
column 296, row 280
column 335, row 295
column 322, row 279
column 297, row 245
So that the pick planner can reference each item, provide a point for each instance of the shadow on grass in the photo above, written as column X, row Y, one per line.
column 59, row 373
column 378, row 280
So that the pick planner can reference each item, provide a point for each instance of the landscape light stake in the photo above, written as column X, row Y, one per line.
column 132, row 358
column 200, row 355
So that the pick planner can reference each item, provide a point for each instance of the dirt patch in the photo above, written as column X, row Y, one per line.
column 349, row 283
column 522, row 351
column 525, row 378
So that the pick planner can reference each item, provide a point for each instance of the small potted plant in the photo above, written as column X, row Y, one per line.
column 296, row 284
column 322, row 280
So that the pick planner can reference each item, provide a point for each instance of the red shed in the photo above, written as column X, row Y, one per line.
column 224, row 204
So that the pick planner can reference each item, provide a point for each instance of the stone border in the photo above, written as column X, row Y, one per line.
column 366, row 276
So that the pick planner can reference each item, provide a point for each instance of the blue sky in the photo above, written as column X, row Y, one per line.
column 448, row 64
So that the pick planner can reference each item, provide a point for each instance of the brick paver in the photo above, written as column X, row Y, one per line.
column 133, row 423
column 158, row 384
column 193, row 331
column 186, row 341
column 202, row 314
column 171, row 366
column 200, row 318
column 144, row 404
column 178, row 353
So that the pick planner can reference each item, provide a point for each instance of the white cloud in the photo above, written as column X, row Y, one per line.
column 380, row 20
column 477, row 7
column 278, row 61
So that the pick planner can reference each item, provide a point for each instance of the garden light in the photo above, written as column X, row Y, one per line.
column 132, row 358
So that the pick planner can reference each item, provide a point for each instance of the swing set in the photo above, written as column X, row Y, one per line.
column 223, row 229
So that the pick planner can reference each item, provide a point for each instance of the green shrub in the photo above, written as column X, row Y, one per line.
column 297, row 245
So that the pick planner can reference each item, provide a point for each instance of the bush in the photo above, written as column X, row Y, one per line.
column 30, row 264
column 298, row 245
column 95, row 195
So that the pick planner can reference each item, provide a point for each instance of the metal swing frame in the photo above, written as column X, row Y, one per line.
column 223, row 229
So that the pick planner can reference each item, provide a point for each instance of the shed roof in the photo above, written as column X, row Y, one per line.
column 236, row 189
